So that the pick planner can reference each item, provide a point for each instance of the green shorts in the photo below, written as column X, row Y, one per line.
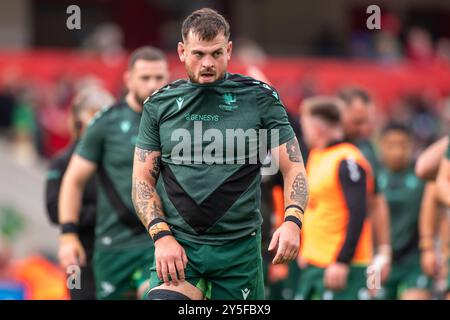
column 232, row 271
column 311, row 285
column 119, row 273
column 405, row 276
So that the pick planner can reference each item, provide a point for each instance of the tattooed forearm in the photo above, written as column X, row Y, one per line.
column 293, row 150
column 141, row 194
column 155, row 211
column 142, row 154
column 299, row 193
column 144, row 191
column 154, row 172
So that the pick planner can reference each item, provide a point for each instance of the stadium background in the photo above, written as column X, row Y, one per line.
column 304, row 48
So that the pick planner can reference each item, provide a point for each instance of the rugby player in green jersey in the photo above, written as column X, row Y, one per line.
column 123, row 252
column 404, row 193
column 196, row 135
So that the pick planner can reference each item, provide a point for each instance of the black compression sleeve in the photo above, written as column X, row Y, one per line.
column 353, row 181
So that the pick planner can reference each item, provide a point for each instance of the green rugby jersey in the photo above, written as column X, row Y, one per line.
column 210, row 188
column 403, row 191
column 109, row 141
column 366, row 148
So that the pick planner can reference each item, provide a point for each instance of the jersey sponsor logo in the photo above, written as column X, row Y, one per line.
column 229, row 99
column 201, row 117
column 125, row 126
column 180, row 101
column 245, row 293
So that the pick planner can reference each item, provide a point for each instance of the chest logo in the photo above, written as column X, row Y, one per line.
column 229, row 100
column 125, row 126
column 180, row 101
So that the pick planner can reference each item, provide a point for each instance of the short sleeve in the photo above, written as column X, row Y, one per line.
column 275, row 119
column 90, row 145
column 148, row 138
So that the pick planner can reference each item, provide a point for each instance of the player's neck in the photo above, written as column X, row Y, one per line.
column 132, row 102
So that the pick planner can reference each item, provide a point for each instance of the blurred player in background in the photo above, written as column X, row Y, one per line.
column 123, row 252
column 443, row 187
column 337, row 235
column 85, row 104
column 404, row 192
column 434, row 230
column 358, row 123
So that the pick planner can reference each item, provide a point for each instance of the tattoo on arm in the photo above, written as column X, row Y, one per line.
column 299, row 193
column 142, row 154
column 142, row 193
column 293, row 150
column 154, row 172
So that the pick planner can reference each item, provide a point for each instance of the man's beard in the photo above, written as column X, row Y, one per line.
column 141, row 100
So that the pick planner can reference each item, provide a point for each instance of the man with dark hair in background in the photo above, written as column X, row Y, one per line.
column 123, row 252
column 404, row 193
column 337, row 235
column 357, row 118
column 85, row 104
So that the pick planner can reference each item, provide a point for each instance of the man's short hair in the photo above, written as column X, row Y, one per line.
column 396, row 126
column 351, row 93
column 147, row 53
column 327, row 109
column 205, row 23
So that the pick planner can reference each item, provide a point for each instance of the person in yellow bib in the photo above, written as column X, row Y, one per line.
column 336, row 237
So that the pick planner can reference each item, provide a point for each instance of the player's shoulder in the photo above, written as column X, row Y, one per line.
column 108, row 114
column 167, row 90
column 262, row 88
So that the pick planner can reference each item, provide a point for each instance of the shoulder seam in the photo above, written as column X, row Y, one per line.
column 249, row 81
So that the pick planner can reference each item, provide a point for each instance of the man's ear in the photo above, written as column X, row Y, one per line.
column 229, row 49
column 126, row 78
column 181, row 51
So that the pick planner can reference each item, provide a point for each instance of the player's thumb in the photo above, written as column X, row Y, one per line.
column 274, row 242
column 81, row 256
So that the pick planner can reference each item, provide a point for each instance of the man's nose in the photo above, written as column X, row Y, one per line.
column 207, row 62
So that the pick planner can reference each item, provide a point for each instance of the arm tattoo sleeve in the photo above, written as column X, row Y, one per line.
column 143, row 194
column 293, row 150
column 142, row 154
column 299, row 193
column 154, row 172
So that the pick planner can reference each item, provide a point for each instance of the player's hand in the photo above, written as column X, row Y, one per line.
column 170, row 260
column 335, row 277
column 286, row 239
column 428, row 262
column 71, row 251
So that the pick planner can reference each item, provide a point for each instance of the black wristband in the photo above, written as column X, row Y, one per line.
column 294, row 220
column 295, row 207
column 69, row 227
column 161, row 234
column 155, row 221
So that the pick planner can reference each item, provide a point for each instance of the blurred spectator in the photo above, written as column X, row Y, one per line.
column 419, row 46
column 106, row 41
column 31, row 278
